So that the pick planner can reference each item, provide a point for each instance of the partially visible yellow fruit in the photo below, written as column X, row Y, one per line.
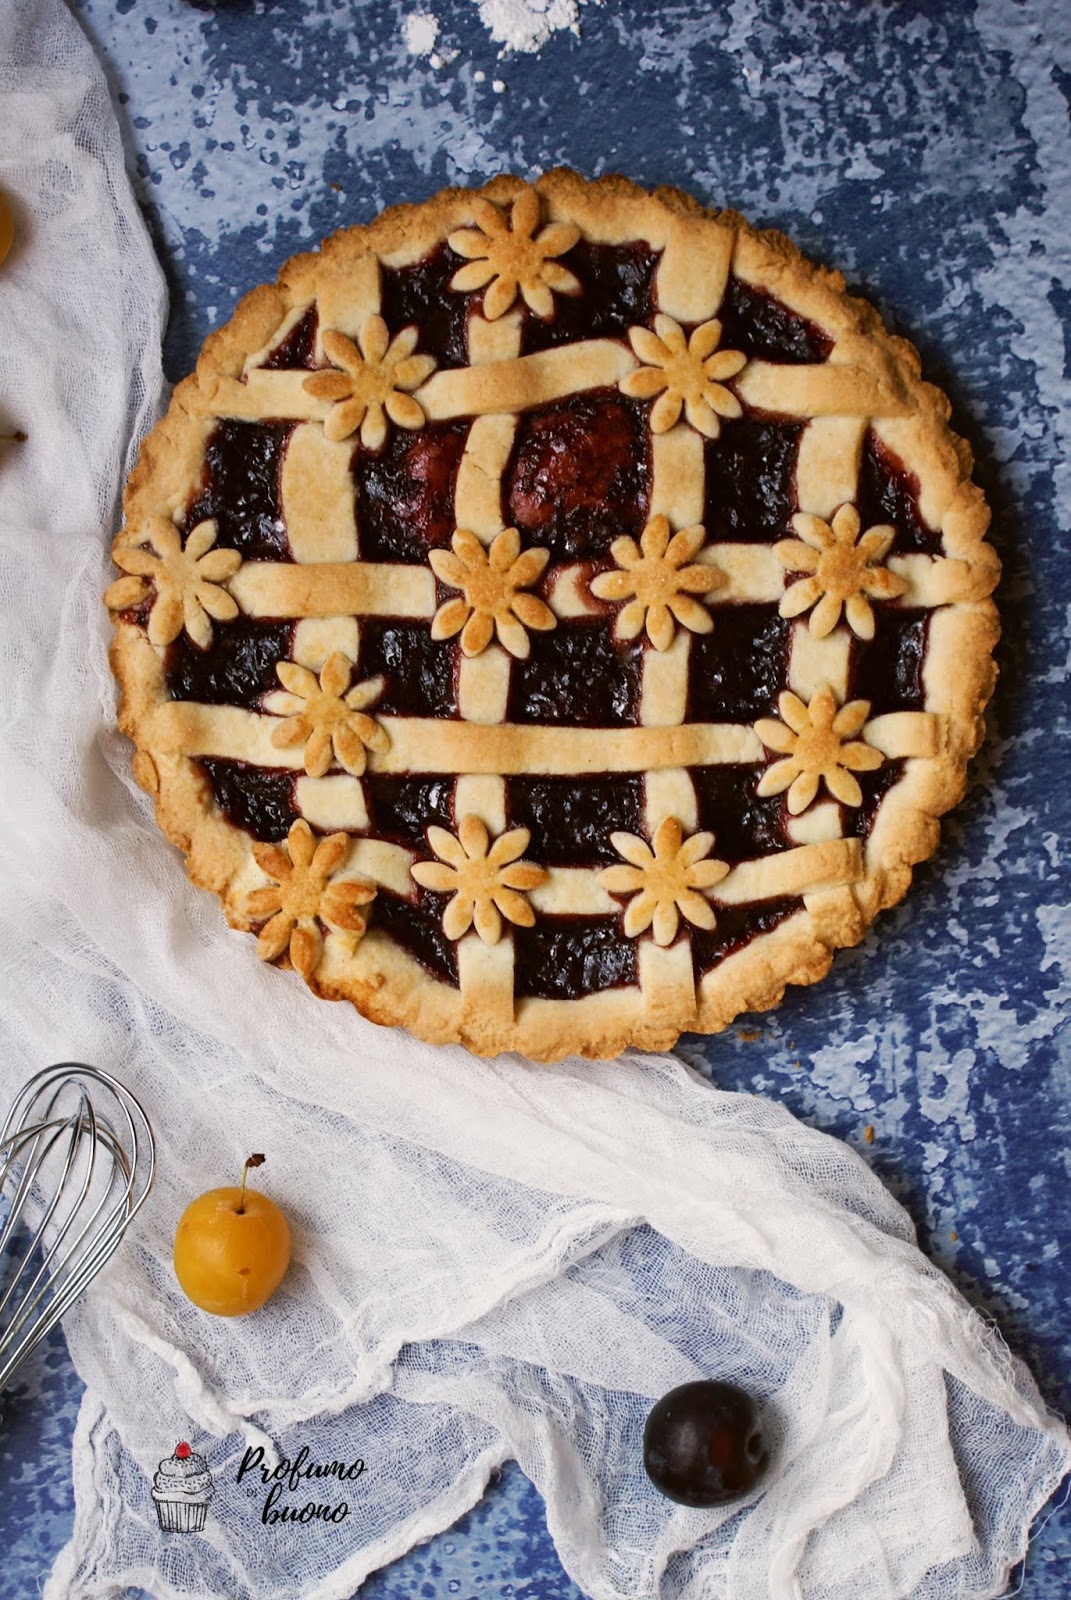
column 7, row 227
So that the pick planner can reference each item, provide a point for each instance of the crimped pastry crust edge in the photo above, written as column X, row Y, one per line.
column 390, row 987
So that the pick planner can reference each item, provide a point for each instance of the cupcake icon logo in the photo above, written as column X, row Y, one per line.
column 182, row 1489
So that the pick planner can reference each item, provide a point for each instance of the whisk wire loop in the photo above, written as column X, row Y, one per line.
column 78, row 1155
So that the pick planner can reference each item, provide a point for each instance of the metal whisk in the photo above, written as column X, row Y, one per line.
column 77, row 1160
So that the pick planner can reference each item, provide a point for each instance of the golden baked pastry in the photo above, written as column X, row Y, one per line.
column 553, row 617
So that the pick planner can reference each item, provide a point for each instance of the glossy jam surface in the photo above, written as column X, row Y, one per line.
column 401, row 809
column 859, row 820
column 736, row 927
column 617, row 293
column 577, row 677
column 297, row 350
column 887, row 670
column 420, row 296
column 420, row 672
column 563, row 957
column 571, row 819
column 418, row 928
column 889, row 493
column 258, row 799
column 405, row 494
column 737, row 671
column 237, row 669
column 765, row 329
column 744, row 826
column 579, row 475
column 750, row 492
column 240, row 488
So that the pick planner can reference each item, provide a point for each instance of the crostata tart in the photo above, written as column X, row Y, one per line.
column 553, row 617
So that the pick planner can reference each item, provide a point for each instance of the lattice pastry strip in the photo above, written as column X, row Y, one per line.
column 318, row 498
column 335, row 802
column 580, row 891
column 827, row 477
column 485, row 965
column 525, row 382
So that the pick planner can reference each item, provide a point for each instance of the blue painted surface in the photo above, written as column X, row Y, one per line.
column 923, row 150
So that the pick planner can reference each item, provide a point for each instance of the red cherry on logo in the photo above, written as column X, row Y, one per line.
column 182, row 1450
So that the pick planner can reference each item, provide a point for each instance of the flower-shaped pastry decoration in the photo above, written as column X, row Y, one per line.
column 665, row 882
column 842, row 571
column 684, row 373
column 493, row 584
column 328, row 716
column 188, row 579
column 485, row 879
column 300, row 896
column 818, row 744
column 507, row 256
column 659, row 582
column 372, row 380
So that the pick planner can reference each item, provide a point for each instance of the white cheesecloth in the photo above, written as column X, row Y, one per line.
column 493, row 1260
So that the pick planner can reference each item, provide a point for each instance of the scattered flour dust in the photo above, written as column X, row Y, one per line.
column 526, row 25
column 516, row 25
column 421, row 32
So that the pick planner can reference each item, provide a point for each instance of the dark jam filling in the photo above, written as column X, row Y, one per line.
column 420, row 296
column 401, row 809
column 571, row 819
column 420, row 671
column 577, row 677
column 859, row 820
column 238, row 667
column 296, row 351
column 617, row 293
column 418, row 928
column 750, row 491
column 240, row 488
column 744, row 827
column 258, row 799
column 578, row 477
column 737, row 671
column 766, row 330
column 736, row 927
column 405, row 495
column 887, row 492
column 562, row 958
column 887, row 670
column 138, row 616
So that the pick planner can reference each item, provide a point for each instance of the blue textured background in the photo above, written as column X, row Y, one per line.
column 928, row 156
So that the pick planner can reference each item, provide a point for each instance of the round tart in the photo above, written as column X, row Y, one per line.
column 554, row 617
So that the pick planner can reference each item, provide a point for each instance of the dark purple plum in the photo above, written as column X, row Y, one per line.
column 705, row 1444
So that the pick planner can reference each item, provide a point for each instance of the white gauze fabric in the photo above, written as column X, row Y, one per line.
column 493, row 1260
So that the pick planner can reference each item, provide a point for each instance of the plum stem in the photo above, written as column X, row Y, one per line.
column 253, row 1161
